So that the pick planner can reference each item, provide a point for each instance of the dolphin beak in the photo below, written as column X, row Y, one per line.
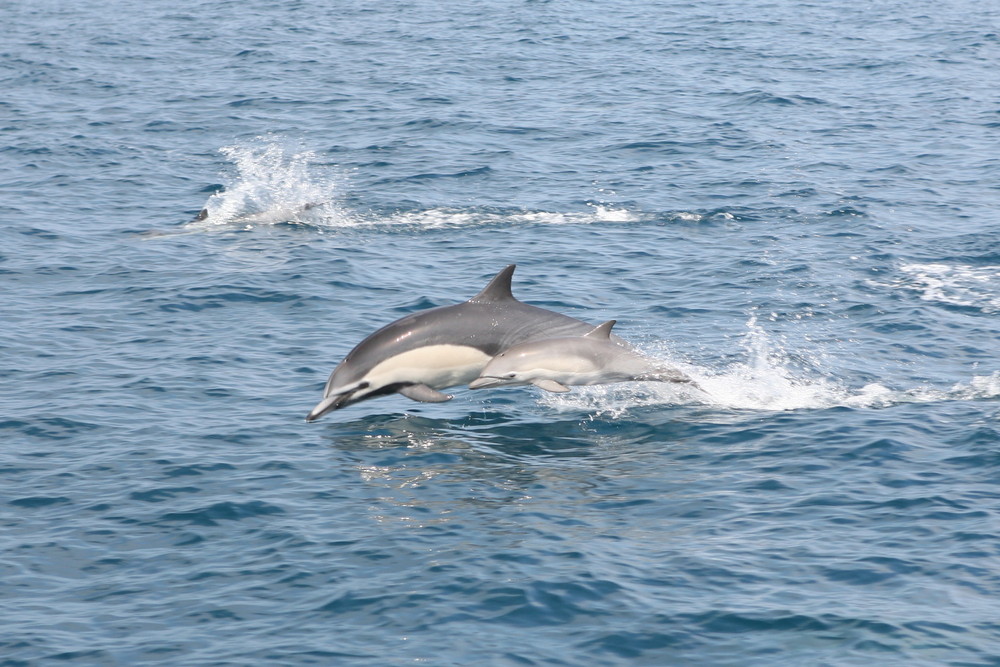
column 486, row 381
column 329, row 404
column 334, row 401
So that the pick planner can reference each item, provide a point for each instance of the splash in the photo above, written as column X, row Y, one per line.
column 766, row 380
column 273, row 183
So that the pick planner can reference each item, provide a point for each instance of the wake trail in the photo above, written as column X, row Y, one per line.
column 270, row 181
column 765, row 381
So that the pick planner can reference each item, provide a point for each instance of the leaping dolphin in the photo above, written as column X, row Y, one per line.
column 555, row 364
column 442, row 347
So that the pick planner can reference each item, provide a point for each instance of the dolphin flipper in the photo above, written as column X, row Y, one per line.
column 424, row 394
column 551, row 385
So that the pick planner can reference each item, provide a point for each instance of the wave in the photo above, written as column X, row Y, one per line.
column 765, row 380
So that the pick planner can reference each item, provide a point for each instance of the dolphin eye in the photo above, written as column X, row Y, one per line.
column 364, row 385
column 511, row 375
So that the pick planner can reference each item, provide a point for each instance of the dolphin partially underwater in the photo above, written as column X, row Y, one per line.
column 273, row 215
column 556, row 364
column 424, row 352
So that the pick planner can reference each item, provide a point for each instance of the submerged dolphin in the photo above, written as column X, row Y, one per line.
column 555, row 364
column 442, row 347
column 273, row 215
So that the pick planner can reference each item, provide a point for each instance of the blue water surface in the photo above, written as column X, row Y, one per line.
column 795, row 202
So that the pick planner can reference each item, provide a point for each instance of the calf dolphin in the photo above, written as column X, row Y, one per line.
column 555, row 364
column 424, row 352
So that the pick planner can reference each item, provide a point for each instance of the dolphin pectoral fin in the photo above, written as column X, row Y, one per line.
column 551, row 385
column 423, row 393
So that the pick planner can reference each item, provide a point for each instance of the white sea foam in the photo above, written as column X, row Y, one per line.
column 953, row 284
column 448, row 218
column 766, row 380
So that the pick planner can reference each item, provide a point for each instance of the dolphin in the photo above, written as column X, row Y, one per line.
column 424, row 352
column 555, row 364
column 272, row 215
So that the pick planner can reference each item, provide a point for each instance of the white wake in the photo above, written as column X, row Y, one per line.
column 764, row 380
column 270, row 182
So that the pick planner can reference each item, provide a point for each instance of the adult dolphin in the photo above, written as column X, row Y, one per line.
column 424, row 352
column 556, row 364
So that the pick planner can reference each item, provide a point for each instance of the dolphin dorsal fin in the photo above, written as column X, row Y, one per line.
column 602, row 332
column 498, row 289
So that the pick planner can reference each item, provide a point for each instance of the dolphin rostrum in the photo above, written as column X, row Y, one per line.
column 555, row 364
column 442, row 347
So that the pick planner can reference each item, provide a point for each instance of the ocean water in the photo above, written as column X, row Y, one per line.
column 796, row 202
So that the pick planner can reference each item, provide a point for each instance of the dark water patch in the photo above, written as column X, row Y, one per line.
column 55, row 428
column 96, row 657
column 755, row 97
column 662, row 146
column 981, row 435
column 41, row 233
column 223, row 511
column 351, row 604
column 194, row 468
column 542, row 603
column 633, row 645
column 731, row 622
column 422, row 303
column 478, row 171
column 296, row 655
column 162, row 494
column 39, row 501
column 875, row 453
